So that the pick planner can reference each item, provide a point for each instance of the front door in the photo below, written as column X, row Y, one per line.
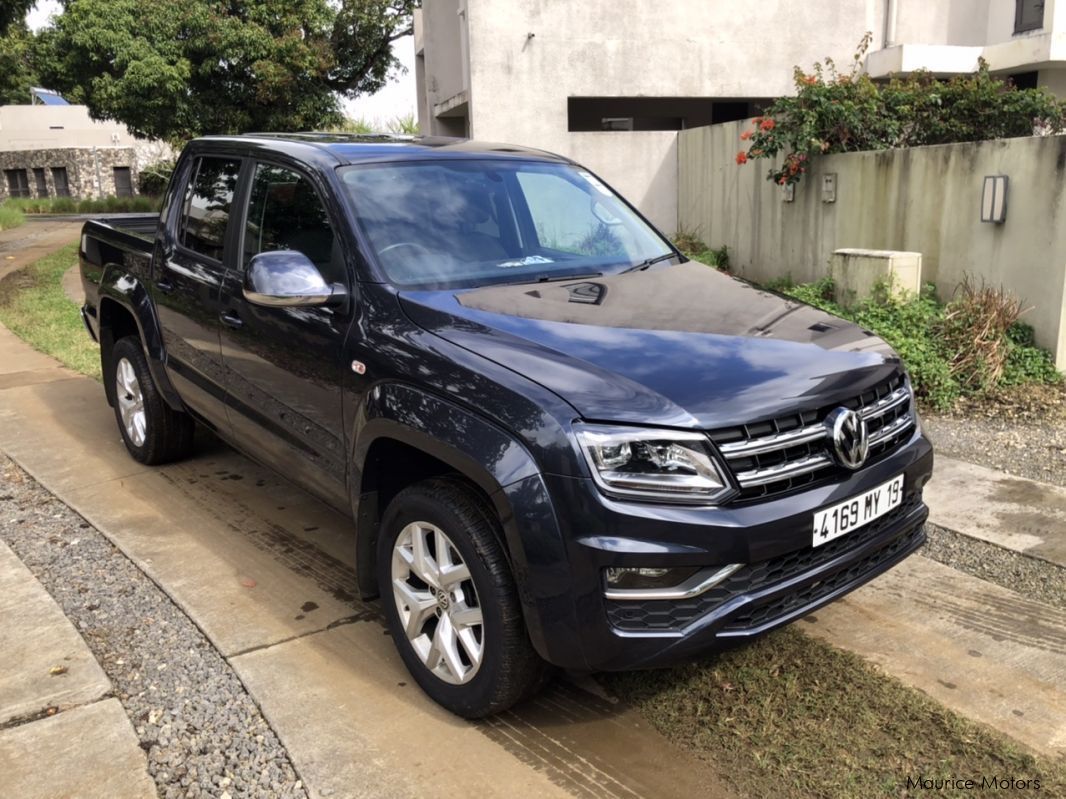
column 285, row 366
column 187, row 284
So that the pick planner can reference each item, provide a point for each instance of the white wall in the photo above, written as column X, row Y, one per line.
column 924, row 199
column 519, row 85
column 37, row 127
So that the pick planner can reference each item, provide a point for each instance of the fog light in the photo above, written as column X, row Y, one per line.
column 633, row 578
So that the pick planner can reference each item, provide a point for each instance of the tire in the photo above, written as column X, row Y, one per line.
column 508, row 670
column 153, row 432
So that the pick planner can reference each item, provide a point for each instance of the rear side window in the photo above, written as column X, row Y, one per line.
column 207, row 205
column 285, row 213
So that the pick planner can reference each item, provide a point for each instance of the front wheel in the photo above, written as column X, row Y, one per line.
column 450, row 600
column 152, row 431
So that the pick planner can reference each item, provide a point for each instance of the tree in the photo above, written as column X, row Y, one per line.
column 12, row 11
column 17, row 74
column 173, row 69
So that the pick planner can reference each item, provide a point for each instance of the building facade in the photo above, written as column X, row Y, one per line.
column 610, row 83
column 58, row 151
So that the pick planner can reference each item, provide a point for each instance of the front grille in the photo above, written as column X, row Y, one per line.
column 671, row 615
column 791, row 452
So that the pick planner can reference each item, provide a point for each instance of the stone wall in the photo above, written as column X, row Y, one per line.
column 89, row 169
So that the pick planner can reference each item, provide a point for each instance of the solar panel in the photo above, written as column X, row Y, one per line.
column 47, row 97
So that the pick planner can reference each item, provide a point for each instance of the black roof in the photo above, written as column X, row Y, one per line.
column 351, row 148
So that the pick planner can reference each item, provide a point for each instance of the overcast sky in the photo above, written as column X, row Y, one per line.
column 397, row 99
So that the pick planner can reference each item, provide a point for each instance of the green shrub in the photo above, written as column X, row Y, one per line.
column 153, row 179
column 944, row 347
column 834, row 112
column 69, row 205
column 690, row 244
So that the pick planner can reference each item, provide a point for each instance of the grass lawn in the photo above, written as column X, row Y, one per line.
column 34, row 307
column 792, row 717
column 10, row 217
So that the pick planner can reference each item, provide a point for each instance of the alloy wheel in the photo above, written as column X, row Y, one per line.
column 130, row 403
column 437, row 603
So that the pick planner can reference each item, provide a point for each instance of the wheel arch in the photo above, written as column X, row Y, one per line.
column 126, row 308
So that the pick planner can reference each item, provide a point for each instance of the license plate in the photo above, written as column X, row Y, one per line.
column 834, row 522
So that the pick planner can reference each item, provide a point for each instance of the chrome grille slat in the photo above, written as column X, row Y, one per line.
column 757, row 446
column 771, row 474
column 891, row 429
column 783, row 454
column 885, row 404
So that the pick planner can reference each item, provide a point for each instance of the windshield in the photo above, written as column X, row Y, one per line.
column 452, row 224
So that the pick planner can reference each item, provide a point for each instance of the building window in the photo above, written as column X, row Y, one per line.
column 17, row 183
column 42, row 183
column 657, row 113
column 1025, row 80
column 1028, row 15
column 123, row 181
column 59, row 180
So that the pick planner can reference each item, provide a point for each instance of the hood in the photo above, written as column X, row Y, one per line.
column 679, row 345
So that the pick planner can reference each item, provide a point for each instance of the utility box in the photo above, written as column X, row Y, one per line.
column 856, row 273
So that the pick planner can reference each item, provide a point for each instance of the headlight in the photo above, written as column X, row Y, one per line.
column 653, row 464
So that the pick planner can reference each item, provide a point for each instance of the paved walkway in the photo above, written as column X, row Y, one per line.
column 60, row 732
column 265, row 571
column 32, row 240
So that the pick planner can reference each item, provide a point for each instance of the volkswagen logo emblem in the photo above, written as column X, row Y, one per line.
column 850, row 440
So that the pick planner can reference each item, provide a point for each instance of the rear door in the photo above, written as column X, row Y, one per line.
column 285, row 366
column 190, row 263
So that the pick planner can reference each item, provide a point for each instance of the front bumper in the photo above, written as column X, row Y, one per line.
column 783, row 578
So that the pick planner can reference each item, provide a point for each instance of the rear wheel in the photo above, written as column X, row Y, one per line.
column 451, row 602
column 152, row 431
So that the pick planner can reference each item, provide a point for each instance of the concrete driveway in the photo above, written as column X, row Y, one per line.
column 266, row 572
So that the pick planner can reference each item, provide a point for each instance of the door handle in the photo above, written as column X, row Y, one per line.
column 230, row 319
column 164, row 285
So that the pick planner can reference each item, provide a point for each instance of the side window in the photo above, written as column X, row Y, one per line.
column 285, row 213
column 563, row 217
column 207, row 205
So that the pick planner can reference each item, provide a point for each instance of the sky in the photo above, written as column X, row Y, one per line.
column 397, row 99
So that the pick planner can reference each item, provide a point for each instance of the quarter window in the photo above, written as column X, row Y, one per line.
column 286, row 213
column 207, row 205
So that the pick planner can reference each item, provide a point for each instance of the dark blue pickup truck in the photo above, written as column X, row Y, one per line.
column 560, row 441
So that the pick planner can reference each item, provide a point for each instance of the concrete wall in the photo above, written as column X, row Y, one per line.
column 924, row 199
column 519, row 85
column 35, row 127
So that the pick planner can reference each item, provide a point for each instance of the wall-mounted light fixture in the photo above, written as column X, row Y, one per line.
column 994, row 199
column 829, row 187
column 789, row 192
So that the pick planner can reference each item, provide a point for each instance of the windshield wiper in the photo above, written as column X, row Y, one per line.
column 649, row 262
column 554, row 278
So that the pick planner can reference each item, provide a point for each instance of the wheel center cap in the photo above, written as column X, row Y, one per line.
column 442, row 599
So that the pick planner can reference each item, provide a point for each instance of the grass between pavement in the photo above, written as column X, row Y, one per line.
column 34, row 307
column 789, row 716
column 792, row 717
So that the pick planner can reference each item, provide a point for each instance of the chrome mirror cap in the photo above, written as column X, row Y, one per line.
column 288, row 279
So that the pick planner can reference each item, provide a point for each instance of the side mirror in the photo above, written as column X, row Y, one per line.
column 288, row 279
